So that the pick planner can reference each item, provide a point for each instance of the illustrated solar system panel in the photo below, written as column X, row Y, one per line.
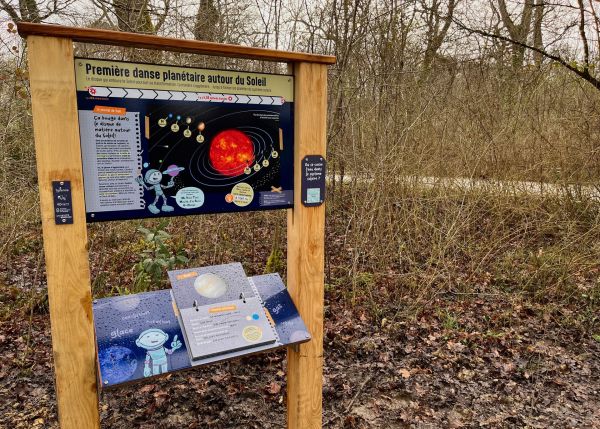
column 167, row 141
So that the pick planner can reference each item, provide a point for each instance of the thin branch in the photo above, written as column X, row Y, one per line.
column 10, row 10
column 584, row 74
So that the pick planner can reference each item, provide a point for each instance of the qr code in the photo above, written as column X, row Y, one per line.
column 313, row 195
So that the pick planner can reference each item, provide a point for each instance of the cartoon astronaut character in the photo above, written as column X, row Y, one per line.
column 156, row 354
column 153, row 178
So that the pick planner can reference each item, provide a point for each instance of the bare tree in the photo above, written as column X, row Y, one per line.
column 135, row 15
column 138, row 16
column 437, row 25
column 517, row 31
column 518, row 38
column 207, row 21
column 31, row 10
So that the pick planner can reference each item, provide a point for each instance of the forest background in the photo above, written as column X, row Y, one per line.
column 463, row 202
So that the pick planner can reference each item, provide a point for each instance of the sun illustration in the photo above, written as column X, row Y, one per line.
column 231, row 151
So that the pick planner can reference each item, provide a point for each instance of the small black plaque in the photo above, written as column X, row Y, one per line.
column 313, row 180
column 63, row 205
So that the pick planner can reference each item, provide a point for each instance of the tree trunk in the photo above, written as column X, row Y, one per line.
column 437, row 28
column 133, row 16
column 518, row 32
column 207, row 21
column 537, row 32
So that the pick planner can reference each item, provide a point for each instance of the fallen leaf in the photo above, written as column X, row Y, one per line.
column 147, row 388
column 274, row 388
column 405, row 373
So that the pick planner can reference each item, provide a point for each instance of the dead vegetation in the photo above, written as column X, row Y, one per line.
column 447, row 306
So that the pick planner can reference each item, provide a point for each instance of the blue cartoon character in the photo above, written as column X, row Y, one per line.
column 152, row 182
column 156, row 354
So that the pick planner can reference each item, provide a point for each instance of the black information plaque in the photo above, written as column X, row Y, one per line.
column 63, row 204
column 313, row 180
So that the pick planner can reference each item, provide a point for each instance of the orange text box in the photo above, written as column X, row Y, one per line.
column 222, row 309
column 108, row 110
column 187, row 275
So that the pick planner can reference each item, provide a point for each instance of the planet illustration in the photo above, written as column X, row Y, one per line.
column 173, row 170
column 231, row 151
column 210, row 285
column 117, row 364
column 126, row 304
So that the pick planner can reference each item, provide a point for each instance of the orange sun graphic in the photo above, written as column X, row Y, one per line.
column 231, row 151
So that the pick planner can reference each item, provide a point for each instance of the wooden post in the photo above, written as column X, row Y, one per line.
column 306, row 248
column 58, row 153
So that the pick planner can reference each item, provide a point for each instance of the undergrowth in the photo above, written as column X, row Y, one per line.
column 406, row 221
column 455, row 243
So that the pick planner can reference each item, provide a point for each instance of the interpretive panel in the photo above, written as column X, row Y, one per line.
column 166, row 141
column 141, row 336
column 313, row 180
column 138, row 336
column 220, row 310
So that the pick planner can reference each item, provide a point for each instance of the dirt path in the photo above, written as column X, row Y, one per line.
column 466, row 184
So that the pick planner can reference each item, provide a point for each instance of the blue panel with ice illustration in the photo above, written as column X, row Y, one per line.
column 288, row 323
column 138, row 336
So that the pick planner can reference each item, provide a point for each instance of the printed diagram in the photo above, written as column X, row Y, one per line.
column 153, row 340
column 164, row 150
column 223, row 150
column 235, row 151
column 152, row 181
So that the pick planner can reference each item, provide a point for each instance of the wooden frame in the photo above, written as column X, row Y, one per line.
column 147, row 41
column 55, row 120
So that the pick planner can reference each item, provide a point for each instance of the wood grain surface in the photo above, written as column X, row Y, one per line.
column 148, row 41
column 56, row 133
column 305, row 264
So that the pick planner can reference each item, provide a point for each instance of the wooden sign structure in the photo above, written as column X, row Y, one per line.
column 58, row 154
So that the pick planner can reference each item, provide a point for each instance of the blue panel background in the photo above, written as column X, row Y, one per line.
column 119, row 358
column 120, row 320
column 218, row 117
column 288, row 323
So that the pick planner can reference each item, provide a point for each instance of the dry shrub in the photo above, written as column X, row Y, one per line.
column 398, row 226
column 424, row 240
